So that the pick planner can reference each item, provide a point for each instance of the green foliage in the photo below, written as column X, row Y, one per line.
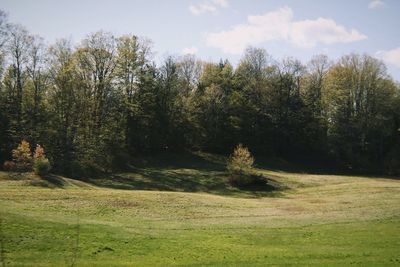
column 106, row 98
column 42, row 166
column 240, row 166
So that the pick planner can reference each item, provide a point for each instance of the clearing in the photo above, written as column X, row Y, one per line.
column 178, row 210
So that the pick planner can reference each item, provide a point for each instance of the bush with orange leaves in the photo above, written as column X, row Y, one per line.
column 22, row 157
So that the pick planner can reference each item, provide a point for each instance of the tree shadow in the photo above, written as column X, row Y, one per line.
column 184, row 173
column 49, row 181
column 174, row 181
column 305, row 165
column 190, row 160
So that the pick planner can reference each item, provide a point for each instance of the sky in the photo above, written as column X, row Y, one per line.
column 215, row 29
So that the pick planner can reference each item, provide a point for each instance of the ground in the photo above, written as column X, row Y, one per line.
column 179, row 210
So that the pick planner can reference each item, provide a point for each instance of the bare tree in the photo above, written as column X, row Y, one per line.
column 3, row 28
column 317, row 70
column 18, row 47
column 95, row 65
column 37, row 73
column 132, row 56
column 189, row 69
column 3, row 39
column 254, row 63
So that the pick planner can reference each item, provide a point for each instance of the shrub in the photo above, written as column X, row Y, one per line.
column 22, row 156
column 9, row 165
column 240, row 166
column 42, row 166
column 39, row 152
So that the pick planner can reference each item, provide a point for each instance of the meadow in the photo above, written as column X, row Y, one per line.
column 180, row 211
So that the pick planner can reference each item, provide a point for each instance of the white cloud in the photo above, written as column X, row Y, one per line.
column 390, row 56
column 221, row 3
column 326, row 31
column 374, row 4
column 190, row 50
column 210, row 6
column 279, row 26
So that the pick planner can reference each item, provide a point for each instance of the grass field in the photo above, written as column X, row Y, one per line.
column 177, row 210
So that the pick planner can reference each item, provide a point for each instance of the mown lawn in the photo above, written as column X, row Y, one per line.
column 182, row 212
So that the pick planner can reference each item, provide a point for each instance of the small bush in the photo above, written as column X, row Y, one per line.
column 39, row 152
column 9, row 165
column 42, row 166
column 22, row 157
column 240, row 166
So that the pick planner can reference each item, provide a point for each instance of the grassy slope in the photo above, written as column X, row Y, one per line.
column 185, row 214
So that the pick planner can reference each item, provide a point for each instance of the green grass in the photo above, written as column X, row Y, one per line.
column 177, row 210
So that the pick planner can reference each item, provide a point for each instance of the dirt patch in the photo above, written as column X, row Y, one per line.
column 293, row 209
column 316, row 201
column 122, row 203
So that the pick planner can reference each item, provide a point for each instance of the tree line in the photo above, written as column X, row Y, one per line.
column 95, row 104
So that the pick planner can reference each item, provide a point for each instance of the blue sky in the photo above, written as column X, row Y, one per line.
column 214, row 29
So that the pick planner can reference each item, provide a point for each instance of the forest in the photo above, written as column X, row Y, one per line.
column 96, row 104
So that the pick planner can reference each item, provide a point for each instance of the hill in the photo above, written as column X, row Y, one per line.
column 178, row 210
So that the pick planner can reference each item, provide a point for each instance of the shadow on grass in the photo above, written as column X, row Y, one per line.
column 184, row 173
column 49, row 181
column 183, row 181
column 300, row 165
column 196, row 160
column 308, row 166
column 188, row 172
